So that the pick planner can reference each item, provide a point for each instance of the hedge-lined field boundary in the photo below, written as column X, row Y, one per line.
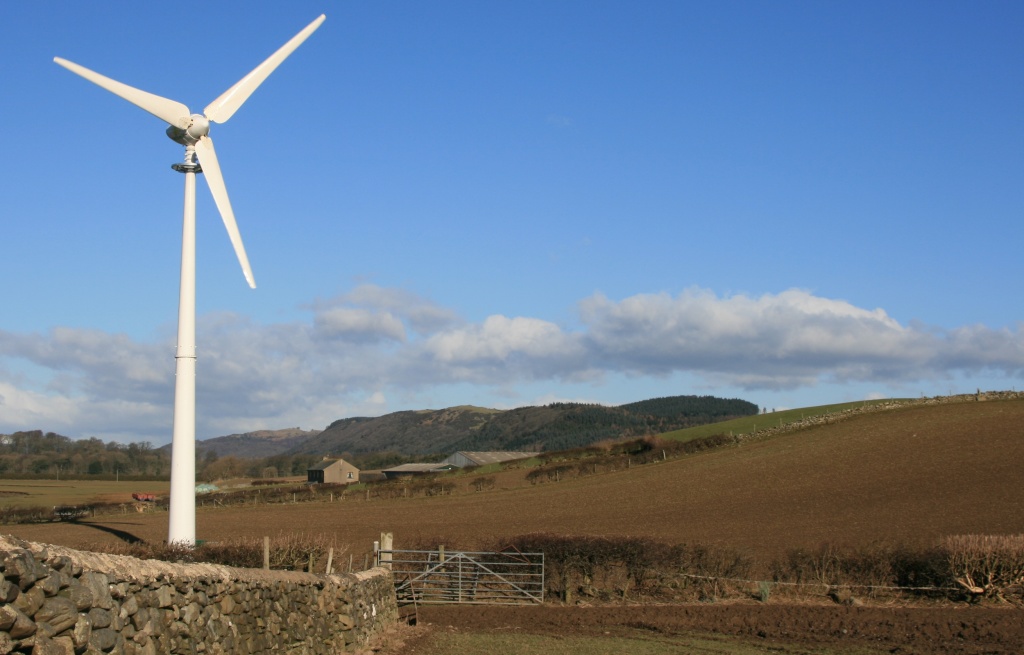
column 960, row 568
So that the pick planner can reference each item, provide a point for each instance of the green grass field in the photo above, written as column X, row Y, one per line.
column 47, row 493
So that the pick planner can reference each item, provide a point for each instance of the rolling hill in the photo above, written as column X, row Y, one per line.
column 551, row 427
column 261, row 443
column 906, row 475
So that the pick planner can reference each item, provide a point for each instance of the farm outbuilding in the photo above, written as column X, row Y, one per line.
column 332, row 471
column 406, row 470
column 464, row 458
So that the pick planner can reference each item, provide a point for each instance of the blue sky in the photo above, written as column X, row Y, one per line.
column 507, row 204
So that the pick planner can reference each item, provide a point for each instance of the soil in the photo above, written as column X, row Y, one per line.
column 906, row 476
column 968, row 630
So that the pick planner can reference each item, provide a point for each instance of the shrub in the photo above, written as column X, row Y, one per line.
column 921, row 568
column 482, row 483
column 877, row 567
column 713, row 568
column 555, row 472
column 10, row 515
column 986, row 565
column 632, row 447
column 617, row 567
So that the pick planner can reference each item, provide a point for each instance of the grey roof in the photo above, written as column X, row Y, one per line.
column 493, row 457
column 414, row 468
column 323, row 465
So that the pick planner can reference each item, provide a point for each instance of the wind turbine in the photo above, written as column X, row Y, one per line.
column 193, row 132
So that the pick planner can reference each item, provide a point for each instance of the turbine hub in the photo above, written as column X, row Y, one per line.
column 198, row 127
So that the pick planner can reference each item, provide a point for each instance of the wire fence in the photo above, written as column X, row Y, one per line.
column 826, row 584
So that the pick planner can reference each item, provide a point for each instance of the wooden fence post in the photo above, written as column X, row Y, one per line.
column 387, row 540
column 266, row 553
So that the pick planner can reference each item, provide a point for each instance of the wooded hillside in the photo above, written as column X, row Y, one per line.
column 373, row 442
column 551, row 427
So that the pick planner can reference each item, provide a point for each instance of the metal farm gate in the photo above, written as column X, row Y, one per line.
column 434, row 576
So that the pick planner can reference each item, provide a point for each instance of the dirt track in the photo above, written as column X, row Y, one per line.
column 917, row 631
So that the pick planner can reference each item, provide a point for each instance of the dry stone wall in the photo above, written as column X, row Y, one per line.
column 61, row 601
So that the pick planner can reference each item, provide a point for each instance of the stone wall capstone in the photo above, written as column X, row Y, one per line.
column 55, row 600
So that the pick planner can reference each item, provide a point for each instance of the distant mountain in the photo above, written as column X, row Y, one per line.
column 251, row 445
column 551, row 427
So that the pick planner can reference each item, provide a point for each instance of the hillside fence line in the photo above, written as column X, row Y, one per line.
column 59, row 600
column 834, row 417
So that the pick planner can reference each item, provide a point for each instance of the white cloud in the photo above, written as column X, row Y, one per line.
column 498, row 338
column 358, row 348
column 359, row 325
column 27, row 407
column 783, row 340
column 421, row 315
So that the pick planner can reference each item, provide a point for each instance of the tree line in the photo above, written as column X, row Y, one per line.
column 38, row 454
column 34, row 453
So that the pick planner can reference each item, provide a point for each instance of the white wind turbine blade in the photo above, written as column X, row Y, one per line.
column 224, row 107
column 211, row 168
column 169, row 111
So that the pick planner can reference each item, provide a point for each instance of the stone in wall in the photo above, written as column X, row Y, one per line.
column 57, row 600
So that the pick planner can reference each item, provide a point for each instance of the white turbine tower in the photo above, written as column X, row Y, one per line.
column 193, row 131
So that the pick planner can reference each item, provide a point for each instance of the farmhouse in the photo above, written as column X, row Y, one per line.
column 464, row 458
column 332, row 471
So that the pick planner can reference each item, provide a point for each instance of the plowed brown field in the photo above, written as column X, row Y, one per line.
column 779, row 629
column 909, row 475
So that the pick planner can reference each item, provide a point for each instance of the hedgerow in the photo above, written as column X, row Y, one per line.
column 610, row 568
column 606, row 568
column 617, row 456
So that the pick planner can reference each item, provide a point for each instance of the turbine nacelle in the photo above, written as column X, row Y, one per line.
column 198, row 127
column 193, row 130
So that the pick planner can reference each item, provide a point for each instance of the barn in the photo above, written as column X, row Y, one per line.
column 406, row 470
column 464, row 458
column 332, row 471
